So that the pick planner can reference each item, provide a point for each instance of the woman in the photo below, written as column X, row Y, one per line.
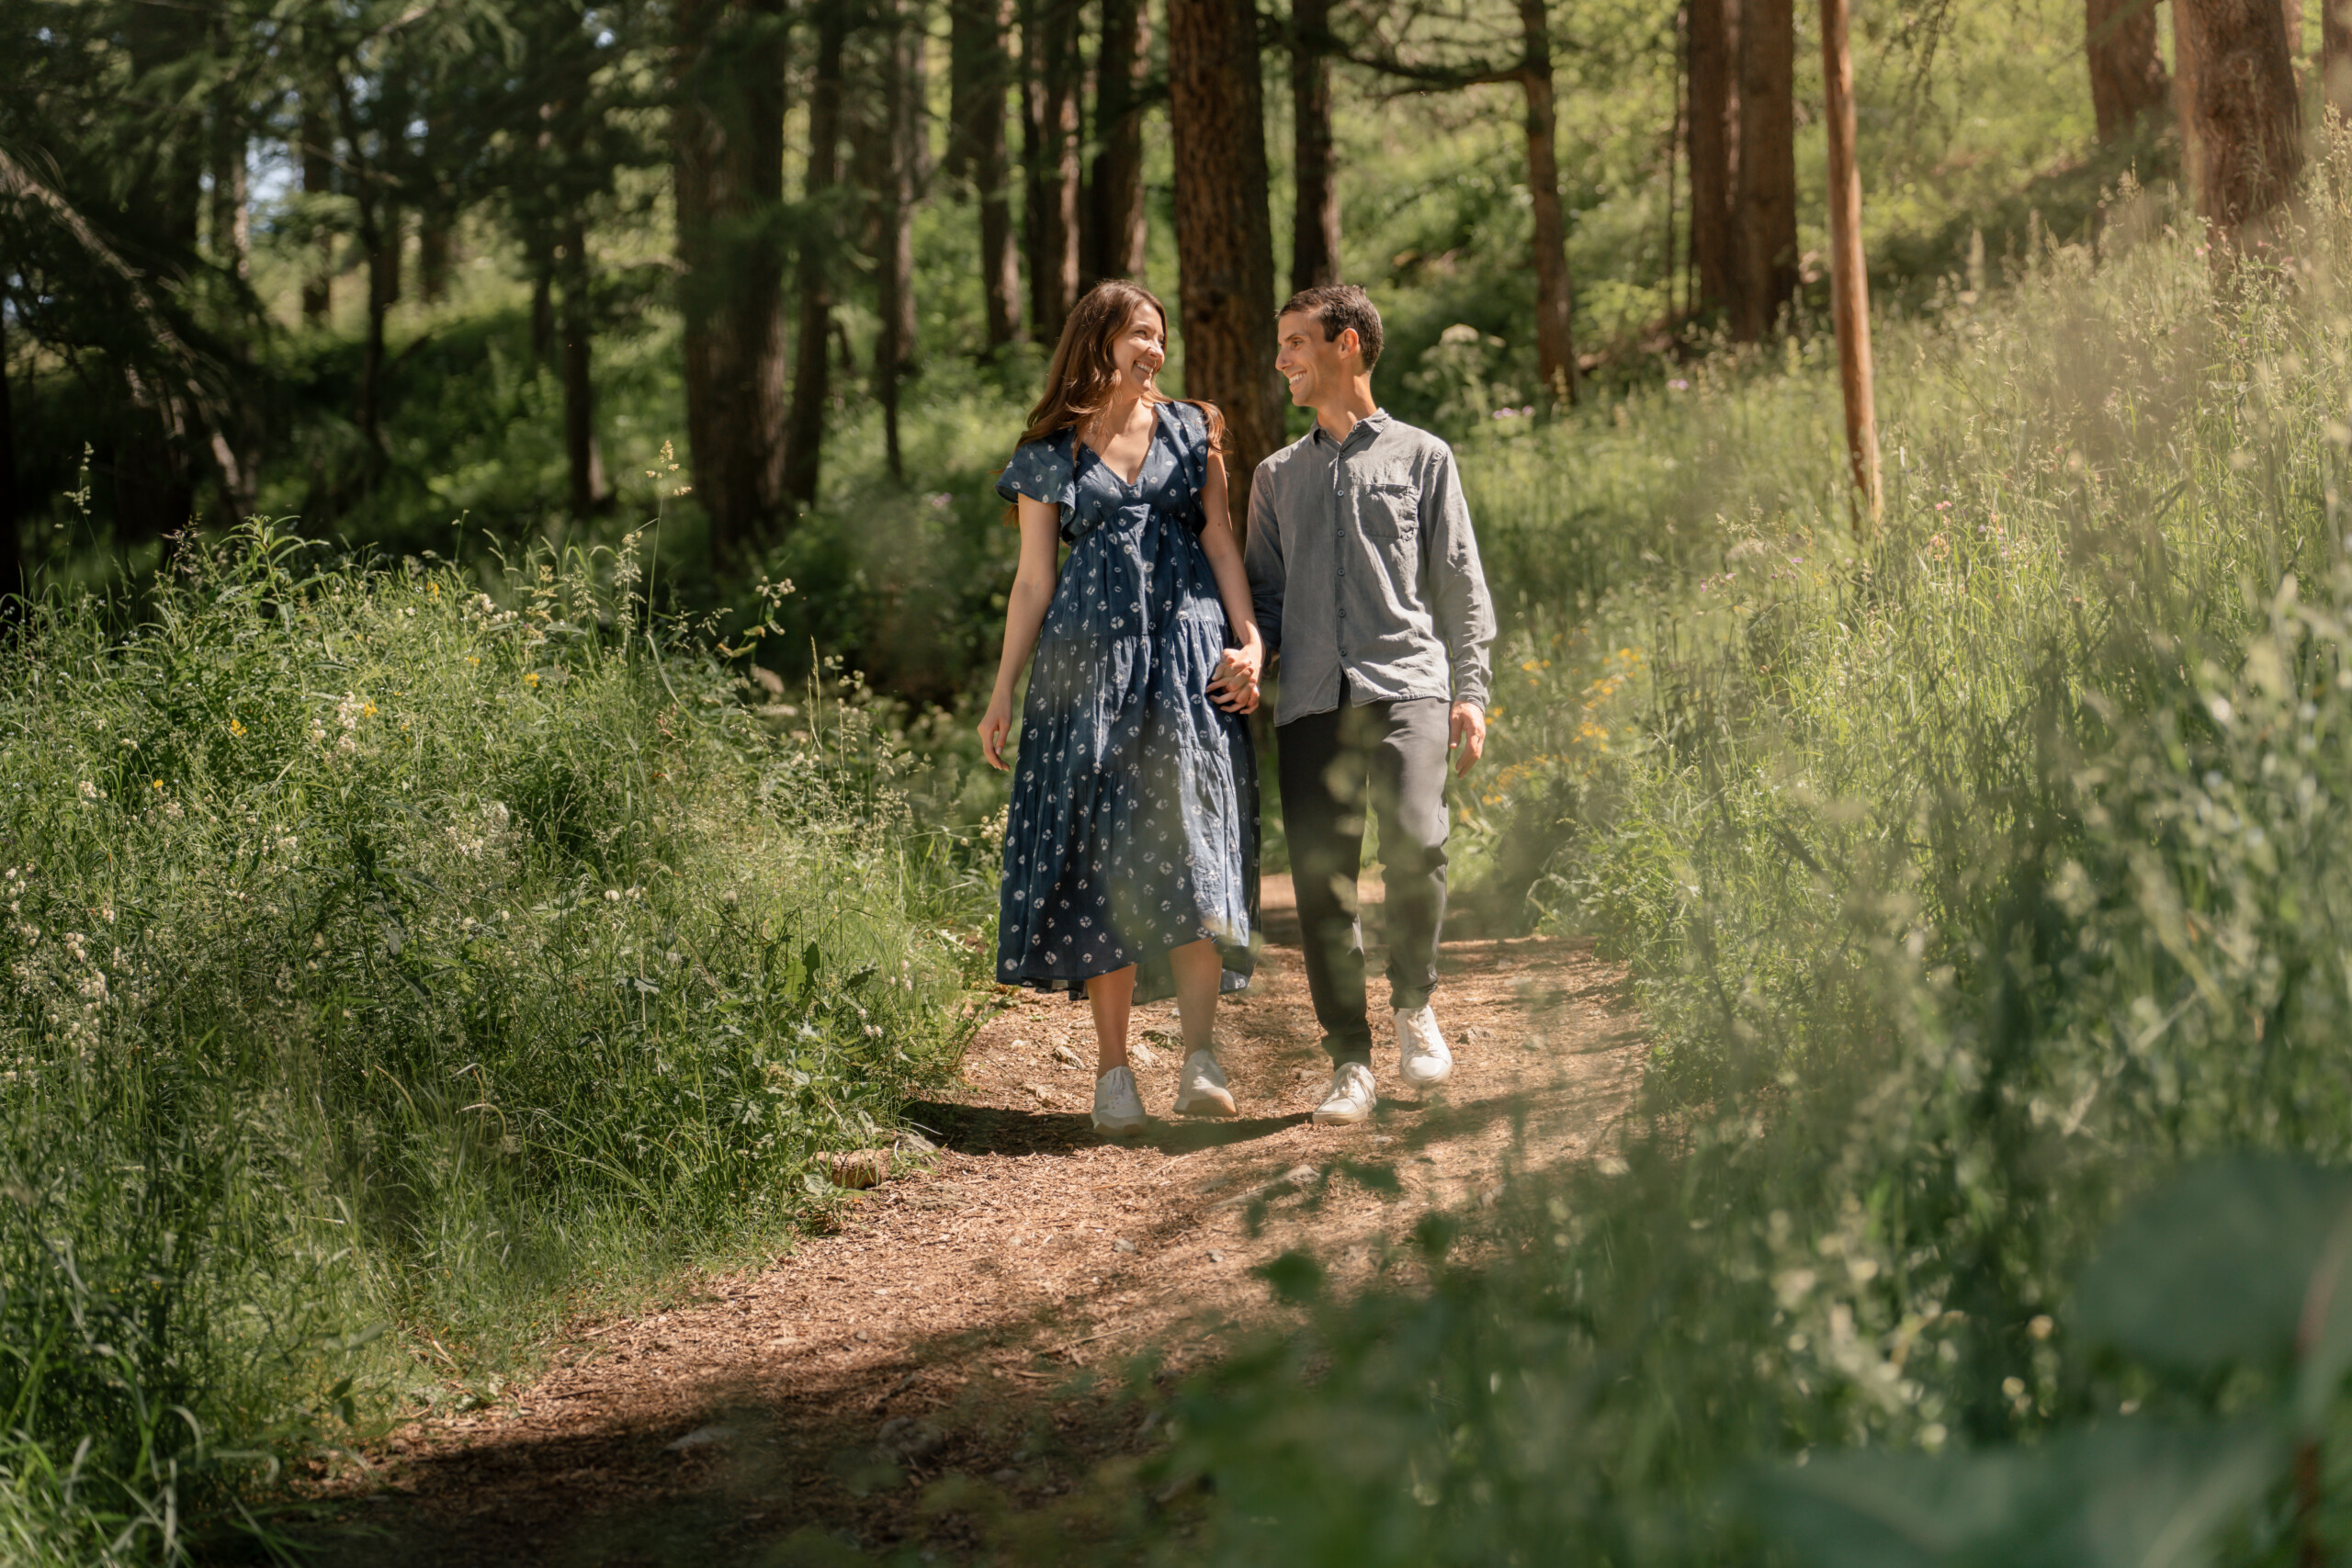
column 1132, row 840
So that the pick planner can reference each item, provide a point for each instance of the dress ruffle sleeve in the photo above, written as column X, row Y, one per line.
column 1042, row 471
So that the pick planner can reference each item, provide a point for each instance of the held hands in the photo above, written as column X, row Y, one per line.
column 1234, row 687
column 995, row 727
column 1467, row 736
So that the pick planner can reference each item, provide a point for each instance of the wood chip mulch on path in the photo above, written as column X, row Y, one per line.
column 976, row 1315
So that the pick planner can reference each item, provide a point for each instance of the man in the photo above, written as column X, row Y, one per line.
column 1365, row 577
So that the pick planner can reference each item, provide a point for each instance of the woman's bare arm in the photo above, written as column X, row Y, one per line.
column 1024, row 613
column 1235, row 686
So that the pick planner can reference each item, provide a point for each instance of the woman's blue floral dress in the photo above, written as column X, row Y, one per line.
column 1134, row 823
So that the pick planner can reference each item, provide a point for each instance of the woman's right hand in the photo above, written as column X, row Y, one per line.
column 996, row 729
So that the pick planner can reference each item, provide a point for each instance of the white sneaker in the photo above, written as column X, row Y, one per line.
column 1351, row 1097
column 1200, row 1087
column 1421, row 1056
column 1117, row 1107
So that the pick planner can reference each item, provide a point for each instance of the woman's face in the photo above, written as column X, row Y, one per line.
column 1139, row 350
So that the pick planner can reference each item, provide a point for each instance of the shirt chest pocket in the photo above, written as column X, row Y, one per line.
column 1390, row 513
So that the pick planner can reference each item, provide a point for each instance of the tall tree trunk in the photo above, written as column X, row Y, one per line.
column 227, row 219
column 2184, row 105
column 376, row 215
column 1714, row 44
column 1315, row 221
column 1767, row 226
column 2244, row 111
column 1116, row 190
column 727, row 135
column 2336, row 57
column 977, row 80
column 2128, row 77
column 584, row 460
column 318, row 178
column 895, row 193
column 1556, row 346
column 12, row 542
column 811, row 380
column 1051, row 67
column 1224, row 233
column 432, row 217
column 1849, row 287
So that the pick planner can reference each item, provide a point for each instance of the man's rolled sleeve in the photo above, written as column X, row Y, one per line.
column 1465, row 613
column 1261, row 557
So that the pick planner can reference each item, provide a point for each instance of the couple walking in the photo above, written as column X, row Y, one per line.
column 1131, row 847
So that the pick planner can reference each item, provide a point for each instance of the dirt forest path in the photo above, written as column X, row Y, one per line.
column 974, row 1316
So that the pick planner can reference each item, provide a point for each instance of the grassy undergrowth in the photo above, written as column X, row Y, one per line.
column 1971, row 879
column 385, row 956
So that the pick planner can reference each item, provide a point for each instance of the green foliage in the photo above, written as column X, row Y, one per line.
column 1972, row 879
column 381, row 953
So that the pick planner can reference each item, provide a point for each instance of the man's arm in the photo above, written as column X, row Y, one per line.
column 1458, row 599
column 1262, row 559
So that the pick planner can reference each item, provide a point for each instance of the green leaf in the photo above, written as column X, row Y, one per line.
column 1295, row 1277
column 2128, row 1494
column 2213, row 1270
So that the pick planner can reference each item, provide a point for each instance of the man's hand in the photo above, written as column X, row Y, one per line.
column 1233, row 686
column 1467, row 735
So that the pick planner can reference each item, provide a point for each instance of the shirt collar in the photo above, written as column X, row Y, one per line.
column 1368, row 426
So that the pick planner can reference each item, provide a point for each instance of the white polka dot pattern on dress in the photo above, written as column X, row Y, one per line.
column 1133, row 821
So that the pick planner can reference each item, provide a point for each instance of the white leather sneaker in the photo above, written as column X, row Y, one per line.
column 1422, row 1058
column 1200, row 1087
column 1117, row 1107
column 1351, row 1097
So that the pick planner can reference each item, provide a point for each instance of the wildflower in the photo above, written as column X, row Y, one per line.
column 1678, row 385
column 532, row 678
column 235, row 728
column 159, row 783
column 89, row 790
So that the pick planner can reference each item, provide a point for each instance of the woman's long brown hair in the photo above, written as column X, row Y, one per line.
column 1079, row 381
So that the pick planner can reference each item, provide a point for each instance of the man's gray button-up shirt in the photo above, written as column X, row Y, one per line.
column 1362, row 563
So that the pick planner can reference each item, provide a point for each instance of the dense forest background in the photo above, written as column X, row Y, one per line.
column 455, row 276
column 423, row 926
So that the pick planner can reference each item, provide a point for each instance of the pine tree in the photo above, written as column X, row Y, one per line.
column 1224, row 234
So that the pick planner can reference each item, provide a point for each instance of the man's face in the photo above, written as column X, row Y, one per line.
column 1317, row 371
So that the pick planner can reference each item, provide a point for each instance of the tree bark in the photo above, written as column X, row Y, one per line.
column 2336, row 57
column 1051, row 66
column 1555, row 346
column 1314, row 220
column 318, row 179
column 812, row 380
column 2128, row 78
column 1850, row 288
column 976, row 154
column 583, row 458
column 1116, row 229
column 896, row 192
column 1223, row 232
column 727, row 132
column 12, row 542
column 227, row 219
column 2244, row 112
column 2184, row 95
column 1766, row 227
column 1715, row 148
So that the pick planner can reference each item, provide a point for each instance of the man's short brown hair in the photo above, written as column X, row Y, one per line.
column 1339, row 306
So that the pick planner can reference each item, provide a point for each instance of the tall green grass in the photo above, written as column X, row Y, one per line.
column 1971, row 878
column 390, row 964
